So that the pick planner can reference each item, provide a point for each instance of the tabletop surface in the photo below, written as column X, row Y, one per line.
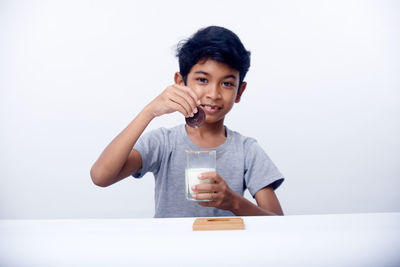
column 371, row 239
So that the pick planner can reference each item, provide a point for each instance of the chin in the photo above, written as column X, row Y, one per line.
column 213, row 121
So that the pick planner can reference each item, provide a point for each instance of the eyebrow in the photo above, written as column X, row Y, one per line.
column 207, row 74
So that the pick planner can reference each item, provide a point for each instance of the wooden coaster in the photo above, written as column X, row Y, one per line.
column 221, row 223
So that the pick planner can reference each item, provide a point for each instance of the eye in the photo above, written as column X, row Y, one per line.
column 202, row 80
column 228, row 84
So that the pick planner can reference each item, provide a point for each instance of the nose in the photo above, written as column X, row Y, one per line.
column 213, row 91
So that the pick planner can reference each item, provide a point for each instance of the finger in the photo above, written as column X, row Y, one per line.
column 204, row 196
column 210, row 175
column 185, row 94
column 205, row 188
column 191, row 93
column 178, row 99
column 207, row 203
column 177, row 107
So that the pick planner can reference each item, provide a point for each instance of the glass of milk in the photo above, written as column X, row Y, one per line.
column 197, row 162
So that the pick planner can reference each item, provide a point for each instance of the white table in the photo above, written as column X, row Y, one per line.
column 309, row 240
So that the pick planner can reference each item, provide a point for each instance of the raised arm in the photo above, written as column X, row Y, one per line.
column 119, row 159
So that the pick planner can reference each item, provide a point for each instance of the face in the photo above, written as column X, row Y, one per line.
column 217, row 86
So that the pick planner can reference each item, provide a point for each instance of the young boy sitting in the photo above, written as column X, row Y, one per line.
column 213, row 64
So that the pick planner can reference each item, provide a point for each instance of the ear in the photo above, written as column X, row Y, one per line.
column 240, row 92
column 179, row 79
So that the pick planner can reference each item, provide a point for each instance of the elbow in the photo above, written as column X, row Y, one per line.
column 279, row 211
column 97, row 177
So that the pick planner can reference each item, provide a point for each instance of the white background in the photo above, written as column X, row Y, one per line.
column 322, row 98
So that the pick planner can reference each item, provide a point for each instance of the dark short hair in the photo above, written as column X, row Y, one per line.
column 217, row 43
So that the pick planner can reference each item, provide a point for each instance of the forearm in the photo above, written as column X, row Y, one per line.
column 114, row 156
column 244, row 207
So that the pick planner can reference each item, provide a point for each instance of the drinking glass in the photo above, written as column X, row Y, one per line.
column 197, row 162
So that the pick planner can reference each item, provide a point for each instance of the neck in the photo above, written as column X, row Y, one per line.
column 207, row 135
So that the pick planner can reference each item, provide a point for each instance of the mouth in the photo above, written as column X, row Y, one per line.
column 211, row 108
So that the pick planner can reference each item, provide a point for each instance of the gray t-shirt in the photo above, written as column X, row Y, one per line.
column 241, row 162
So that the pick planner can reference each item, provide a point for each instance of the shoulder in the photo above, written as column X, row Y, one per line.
column 245, row 142
column 249, row 147
column 164, row 132
column 161, row 136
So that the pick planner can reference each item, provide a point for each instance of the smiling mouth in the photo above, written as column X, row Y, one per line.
column 211, row 107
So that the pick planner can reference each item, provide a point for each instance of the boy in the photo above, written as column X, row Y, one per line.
column 213, row 64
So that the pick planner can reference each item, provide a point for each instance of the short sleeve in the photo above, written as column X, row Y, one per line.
column 151, row 147
column 260, row 171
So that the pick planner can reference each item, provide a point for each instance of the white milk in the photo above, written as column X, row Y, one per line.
column 192, row 178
